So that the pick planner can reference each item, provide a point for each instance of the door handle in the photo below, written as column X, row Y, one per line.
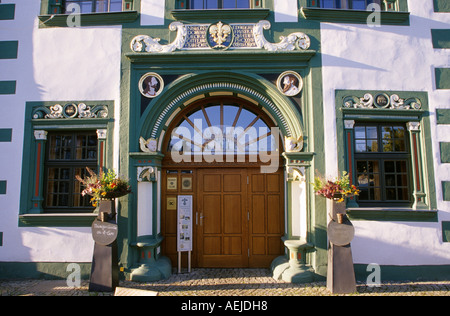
column 201, row 219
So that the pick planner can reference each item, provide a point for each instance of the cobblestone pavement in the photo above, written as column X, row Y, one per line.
column 224, row 282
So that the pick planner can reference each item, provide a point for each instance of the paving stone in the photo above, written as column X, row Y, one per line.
column 222, row 282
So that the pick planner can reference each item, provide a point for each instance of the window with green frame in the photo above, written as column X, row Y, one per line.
column 384, row 138
column 60, row 141
column 68, row 155
column 382, row 163
column 88, row 6
column 385, row 5
column 218, row 4
column 384, row 12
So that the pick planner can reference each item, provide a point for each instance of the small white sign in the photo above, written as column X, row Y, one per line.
column 184, row 236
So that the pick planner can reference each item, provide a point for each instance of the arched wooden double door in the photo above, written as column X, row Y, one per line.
column 238, row 211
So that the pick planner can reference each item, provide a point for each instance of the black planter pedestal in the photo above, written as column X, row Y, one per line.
column 341, row 274
column 105, row 265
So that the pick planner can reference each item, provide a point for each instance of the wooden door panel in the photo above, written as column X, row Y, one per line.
column 232, row 205
column 212, row 183
column 212, row 245
column 273, row 214
column 239, row 217
column 273, row 183
column 266, row 218
column 211, row 213
column 232, row 183
column 258, row 216
column 232, row 246
column 222, row 232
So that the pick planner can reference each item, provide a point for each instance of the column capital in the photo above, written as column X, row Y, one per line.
column 40, row 135
column 101, row 133
column 413, row 126
column 349, row 124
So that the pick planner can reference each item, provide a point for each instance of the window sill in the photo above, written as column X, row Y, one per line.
column 89, row 19
column 230, row 14
column 353, row 16
column 392, row 214
column 56, row 220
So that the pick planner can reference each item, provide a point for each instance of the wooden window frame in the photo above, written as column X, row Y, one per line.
column 72, row 165
column 382, row 156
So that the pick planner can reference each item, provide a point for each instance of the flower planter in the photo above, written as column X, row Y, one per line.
column 341, row 275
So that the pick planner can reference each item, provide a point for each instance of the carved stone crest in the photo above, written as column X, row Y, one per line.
column 220, row 36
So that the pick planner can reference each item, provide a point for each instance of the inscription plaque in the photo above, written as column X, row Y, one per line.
column 196, row 37
column 104, row 233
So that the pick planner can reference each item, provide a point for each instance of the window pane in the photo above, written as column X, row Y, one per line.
column 372, row 146
column 358, row 4
column 115, row 5
column 196, row 4
column 330, row 4
column 229, row 4
column 396, row 180
column 211, row 4
column 60, row 147
column 372, row 132
column 101, row 6
column 85, row 6
column 68, row 155
column 360, row 132
column 243, row 4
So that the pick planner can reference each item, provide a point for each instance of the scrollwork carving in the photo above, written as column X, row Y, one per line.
column 70, row 111
column 381, row 101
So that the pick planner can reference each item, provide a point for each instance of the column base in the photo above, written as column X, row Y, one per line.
column 160, row 269
column 283, row 269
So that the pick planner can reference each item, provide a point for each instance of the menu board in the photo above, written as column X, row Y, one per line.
column 184, row 233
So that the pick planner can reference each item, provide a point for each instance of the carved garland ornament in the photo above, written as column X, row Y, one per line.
column 381, row 101
column 196, row 36
column 70, row 111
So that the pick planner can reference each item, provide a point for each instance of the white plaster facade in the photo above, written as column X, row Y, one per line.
column 359, row 57
column 354, row 57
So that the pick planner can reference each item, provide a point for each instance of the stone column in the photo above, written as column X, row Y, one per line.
column 417, row 165
column 41, row 139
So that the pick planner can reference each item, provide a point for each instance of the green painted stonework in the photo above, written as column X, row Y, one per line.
column 443, row 116
column 442, row 78
column 3, row 187
column 445, row 152
column 5, row 135
column 446, row 231
column 441, row 6
column 7, row 87
column 446, row 190
column 41, row 270
column 401, row 273
column 8, row 49
column 440, row 38
column 7, row 11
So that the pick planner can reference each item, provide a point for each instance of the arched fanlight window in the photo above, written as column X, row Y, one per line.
column 222, row 129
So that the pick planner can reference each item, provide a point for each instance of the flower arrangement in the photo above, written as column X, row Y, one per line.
column 103, row 186
column 337, row 190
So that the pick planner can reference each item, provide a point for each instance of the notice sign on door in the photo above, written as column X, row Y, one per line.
column 184, row 242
